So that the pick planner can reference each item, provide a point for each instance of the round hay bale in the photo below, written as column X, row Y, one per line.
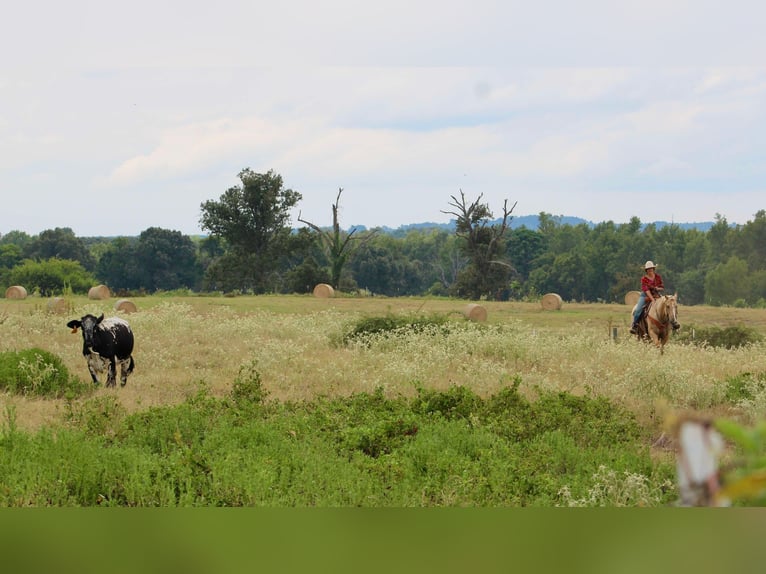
column 99, row 292
column 631, row 297
column 58, row 305
column 474, row 312
column 125, row 305
column 15, row 292
column 324, row 291
column 551, row 302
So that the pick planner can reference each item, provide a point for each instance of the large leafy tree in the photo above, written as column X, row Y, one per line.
column 253, row 219
column 118, row 265
column 168, row 260
column 59, row 243
column 488, row 271
column 727, row 282
column 160, row 259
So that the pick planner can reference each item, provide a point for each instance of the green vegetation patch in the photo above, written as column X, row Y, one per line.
column 744, row 387
column 38, row 372
column 366, row 327
column 439, row 448
column 726, row 337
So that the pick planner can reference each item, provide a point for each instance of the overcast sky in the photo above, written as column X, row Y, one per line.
column 116, row 117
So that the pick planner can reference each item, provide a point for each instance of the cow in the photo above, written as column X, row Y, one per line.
column 106, row 341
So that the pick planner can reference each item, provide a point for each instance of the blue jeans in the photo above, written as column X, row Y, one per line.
column 639, row 306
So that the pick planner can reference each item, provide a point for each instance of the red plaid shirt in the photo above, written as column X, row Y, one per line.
column 648, row 284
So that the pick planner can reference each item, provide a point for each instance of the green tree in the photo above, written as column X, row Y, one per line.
column 253, row 219
column 59, row 243
column 52, row 276
column 10, row 255
column 118, row 266
column 727, row 282
column 562, row 277
column 16, row 237
column 758, row 288
column 690, row 285
column 751, row 241
column 524, row 247
column 167, row 259
column 488, row 271
column 720, row 237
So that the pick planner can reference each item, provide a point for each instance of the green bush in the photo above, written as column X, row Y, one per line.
column 457, row 402
column 99, row 416
column 38, row 372
column 52, row 276
column 727, row 337
column 744, row 386
column 368, row 326
column 247, row 389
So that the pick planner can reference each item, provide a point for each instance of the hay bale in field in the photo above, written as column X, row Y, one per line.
column 99, row 292
column 58, row 305
column 125, row 305
column 15, row 292
column 631, row 297
column 324, row 291
column 474, row 312
column 551, row 302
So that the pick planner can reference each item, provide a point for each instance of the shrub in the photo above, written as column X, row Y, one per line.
column 100, row 416
column 367, row 326
column 38, row 372
column 456, row 403
column 744, row 386
column 728, row 337
column 52, row 276
column 247, row 388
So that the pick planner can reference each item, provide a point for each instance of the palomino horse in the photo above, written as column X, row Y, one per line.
column 659, row 319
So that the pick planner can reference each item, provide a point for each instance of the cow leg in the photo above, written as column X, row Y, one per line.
column 111, row 378
column 125, row 370
column 93, row 364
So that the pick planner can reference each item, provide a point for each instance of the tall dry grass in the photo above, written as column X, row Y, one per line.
column 293, row 341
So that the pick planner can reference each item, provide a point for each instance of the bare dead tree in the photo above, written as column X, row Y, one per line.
column 339, row 246
column 483, row 242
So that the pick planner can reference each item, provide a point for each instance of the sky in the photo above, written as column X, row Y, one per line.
column 118, row 117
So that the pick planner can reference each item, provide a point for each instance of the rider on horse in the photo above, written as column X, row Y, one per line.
column 651, row 284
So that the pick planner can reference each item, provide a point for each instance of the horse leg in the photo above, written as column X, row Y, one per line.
column 654, row 337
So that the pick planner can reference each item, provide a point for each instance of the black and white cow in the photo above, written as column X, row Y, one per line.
column 106, row 341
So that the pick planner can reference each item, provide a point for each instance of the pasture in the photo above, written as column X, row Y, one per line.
column 185, row 343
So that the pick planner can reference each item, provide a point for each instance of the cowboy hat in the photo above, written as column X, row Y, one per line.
column 649, row 265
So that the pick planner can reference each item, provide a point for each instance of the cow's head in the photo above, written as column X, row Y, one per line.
column 88, row 325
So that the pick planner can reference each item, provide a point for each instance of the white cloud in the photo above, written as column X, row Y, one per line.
column 390, row 136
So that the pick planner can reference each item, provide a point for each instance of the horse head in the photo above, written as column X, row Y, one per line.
column 670, row 310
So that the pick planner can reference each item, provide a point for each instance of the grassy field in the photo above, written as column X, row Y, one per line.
column 293, row 343
column 293, row 339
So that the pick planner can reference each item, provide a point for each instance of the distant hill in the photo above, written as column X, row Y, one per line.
column 532, row 222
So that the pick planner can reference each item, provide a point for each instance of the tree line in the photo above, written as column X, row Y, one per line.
column 251, row 247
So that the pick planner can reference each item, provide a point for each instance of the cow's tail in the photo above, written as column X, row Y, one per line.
column 131, row 366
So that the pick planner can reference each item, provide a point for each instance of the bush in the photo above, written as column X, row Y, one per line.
column 99, row 416
column 456, row 403
column 368, row 326
column 38, row 372
column 248, row 389
column 52, row 276
column 744, row 386
column 728, row 337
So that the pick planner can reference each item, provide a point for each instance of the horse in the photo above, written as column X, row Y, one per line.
column 657, row 320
